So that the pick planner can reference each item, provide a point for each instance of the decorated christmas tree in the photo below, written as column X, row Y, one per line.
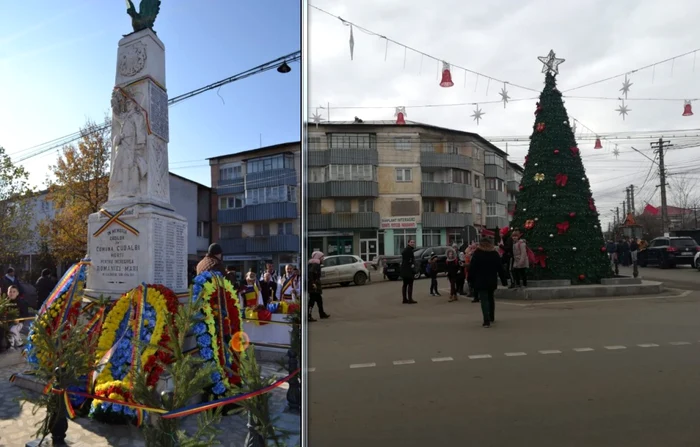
column 555, row 208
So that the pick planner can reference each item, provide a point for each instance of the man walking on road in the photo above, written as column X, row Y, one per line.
column 408, row 262
column 44, row 287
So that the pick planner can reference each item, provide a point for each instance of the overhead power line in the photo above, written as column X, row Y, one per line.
column 67, row 139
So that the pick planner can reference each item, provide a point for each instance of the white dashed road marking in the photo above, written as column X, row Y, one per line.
column 648, row 345
column 679, row 343
column 363, row 365
column 442, row 359
column 515, row 354
column 480, row 356
column 404, row 362
column 615, row 348
column 584, row 349
column 550, row 351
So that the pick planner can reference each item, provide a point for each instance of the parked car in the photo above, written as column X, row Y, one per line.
column 668, row 252
column 343, row 270
column 422, row 255
column 696, row 260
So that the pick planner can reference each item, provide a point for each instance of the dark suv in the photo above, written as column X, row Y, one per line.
column 422, row 256
column 669, row 252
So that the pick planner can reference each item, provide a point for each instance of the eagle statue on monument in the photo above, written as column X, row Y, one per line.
column 146, row 17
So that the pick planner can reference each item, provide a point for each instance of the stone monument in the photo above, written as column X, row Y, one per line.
column 137, row 237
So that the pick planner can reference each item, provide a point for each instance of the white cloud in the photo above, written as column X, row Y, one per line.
column 502, row 39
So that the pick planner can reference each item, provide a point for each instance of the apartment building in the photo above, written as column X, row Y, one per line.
column 514, row 176
column 255, row 204
column 374, row 185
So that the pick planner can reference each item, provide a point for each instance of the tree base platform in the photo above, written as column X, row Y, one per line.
column 611, row 287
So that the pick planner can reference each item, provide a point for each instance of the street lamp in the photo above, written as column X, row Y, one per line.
column 284, row 68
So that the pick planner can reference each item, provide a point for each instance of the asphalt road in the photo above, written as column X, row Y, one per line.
column 682, row 277
column 614, row 372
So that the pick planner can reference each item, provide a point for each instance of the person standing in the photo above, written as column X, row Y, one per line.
column 461, row 277
column 287, row 285
column 266, row 288
column 315, row 287
column 432, row 270
column 10, row 279
column 452, row 267
column 212, row 261
column 408, row 262
column 484, row 271
column 16, row 327
column 521, row 262
column 232, row 276
column 468, row 253
column 508, row 257
column 44, row 287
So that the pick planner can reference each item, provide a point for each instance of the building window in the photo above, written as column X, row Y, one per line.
column 315, row 143
column 231, row 202
column 428, row 206
column 281, row 161
column 285, row 228
column 366, row 206
column 461, row 176
column 490, row 209
column 352, row 141
column 314, row 207
column 271, row 194
column 495, row 184
column 496, row 210
column 404, row 175
column 477, row 181
column 402, row 144
column 431, row 238
column 203, row 229
column 454, row 236
column 262, row 229
column 343, row 206
column 230, row 231
column 230, row 172
column 453, row 206
column 317, row 175
column 477, row 206
column 401, row 238
column 451, row 148
column 427, row 147
column 493, row 159
column 351, row 172
column 428, row 176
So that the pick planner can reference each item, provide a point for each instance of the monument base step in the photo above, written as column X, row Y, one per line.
column 584, row 291
column 550, row 283
column 620, row 280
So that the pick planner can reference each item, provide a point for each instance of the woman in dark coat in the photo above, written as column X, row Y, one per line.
column 484, row 271
column 408, row 261
column 452, row 267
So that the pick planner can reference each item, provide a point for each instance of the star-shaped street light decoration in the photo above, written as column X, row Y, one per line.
column 626, row 87
column 623, row 110
column 504, row 95
column 477, row 114
column 551, row 62
column 316, row 117
column 616, row 152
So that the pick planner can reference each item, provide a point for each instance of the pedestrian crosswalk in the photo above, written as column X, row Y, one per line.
column 549, row 352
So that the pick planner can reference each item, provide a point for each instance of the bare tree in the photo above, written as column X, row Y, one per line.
column 684, row 196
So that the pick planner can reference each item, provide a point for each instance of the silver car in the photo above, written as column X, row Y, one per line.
column 343, row 270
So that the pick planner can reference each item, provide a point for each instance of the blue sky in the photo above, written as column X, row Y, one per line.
column 58, row 61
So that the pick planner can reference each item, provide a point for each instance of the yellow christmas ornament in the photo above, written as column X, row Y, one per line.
column 539, row 177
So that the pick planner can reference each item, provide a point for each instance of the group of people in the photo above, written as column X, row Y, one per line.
column 479, row 266
column 624, row 251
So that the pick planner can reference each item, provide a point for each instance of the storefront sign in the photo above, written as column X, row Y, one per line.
column 399, row 222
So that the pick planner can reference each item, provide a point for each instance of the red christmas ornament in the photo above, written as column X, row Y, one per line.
column 556, row 151
column 687, row 109
column 529, row 224
column 541, row 260
column 521, row 187
column 538, row 109
column 400, row 115
column 540, row 249
column 561, row 179
column 539, row 127
column 563, row 227
column 581, row 277
column 572, row 214
column 446, row 76
column 597, row 144
column 603, row 249
column 591, row 204
column 574, row 151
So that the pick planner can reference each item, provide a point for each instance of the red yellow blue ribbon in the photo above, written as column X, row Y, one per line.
column 114, row 218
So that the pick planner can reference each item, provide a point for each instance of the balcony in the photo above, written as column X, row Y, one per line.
column 494, row 171
column 446, row 190
column 446, row 220
column 496, row 222
column 513, row 186
column 261, row 212
column 436, row 160
column 346, row 188
column 511, row 206
column 274, row 177
column 233, row 186
column 493, row 196
column 343, row 157
column 262, row 244
column 343, row 221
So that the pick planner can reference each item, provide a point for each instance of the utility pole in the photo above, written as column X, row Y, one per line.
column 617, row 215
column 628, row 200
column 624, row 210
column 659, row 148
column 632, row 208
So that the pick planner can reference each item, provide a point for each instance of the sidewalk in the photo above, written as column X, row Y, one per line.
column 17, row 425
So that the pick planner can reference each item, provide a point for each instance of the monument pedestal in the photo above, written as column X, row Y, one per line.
column 133, row 245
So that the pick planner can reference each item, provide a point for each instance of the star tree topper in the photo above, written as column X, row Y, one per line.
column 551, row 62
column 477, row 115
